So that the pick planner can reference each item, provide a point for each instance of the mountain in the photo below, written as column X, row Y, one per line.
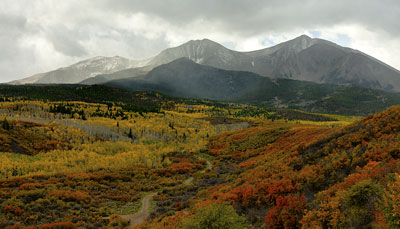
column 321, row 61
column 185, row 78
column 205, row 52
column 302, row 58
column 81, row 71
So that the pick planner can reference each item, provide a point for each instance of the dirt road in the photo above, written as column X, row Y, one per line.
column 141, row 216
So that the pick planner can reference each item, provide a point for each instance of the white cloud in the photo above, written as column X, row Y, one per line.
column 42, row 35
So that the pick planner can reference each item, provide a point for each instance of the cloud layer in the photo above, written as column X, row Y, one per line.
column 41, row 35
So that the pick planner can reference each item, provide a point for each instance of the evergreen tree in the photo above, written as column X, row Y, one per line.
column 6, row 125
column 84, row 116
column 130, row 134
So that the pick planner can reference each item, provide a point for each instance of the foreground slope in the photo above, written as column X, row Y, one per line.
column 185, row 78
column 298, row 176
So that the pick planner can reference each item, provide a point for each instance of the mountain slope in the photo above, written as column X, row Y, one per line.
column 184, row 78
column 81, row 71
column 126, row 73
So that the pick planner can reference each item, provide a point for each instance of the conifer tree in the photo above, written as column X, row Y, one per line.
column 6, row 125
column 130, row 134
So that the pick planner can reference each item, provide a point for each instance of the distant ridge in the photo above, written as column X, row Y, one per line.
column 80, row 71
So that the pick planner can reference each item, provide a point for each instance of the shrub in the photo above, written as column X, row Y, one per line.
column 13, row 209
column 286, row 213
column 72, row 196
column 59, row 225
column 32, row 195
column 360, row 201
column 215, row 215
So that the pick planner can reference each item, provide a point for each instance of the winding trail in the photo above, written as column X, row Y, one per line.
column 209, row 165
column 190, row 179
column 140, row 217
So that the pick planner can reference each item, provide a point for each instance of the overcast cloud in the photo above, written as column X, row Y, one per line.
column 42, row 35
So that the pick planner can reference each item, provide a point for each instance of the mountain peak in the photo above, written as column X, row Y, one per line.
column 202, row 43
column 196, row 50
column 304, row 37
column 300, row 43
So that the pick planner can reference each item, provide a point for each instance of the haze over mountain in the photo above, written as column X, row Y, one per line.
column 185, row 78
column 126, row 73
column 81, row 71
column 302, row 58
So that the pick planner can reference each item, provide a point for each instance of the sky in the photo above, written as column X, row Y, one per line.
column 42, row 35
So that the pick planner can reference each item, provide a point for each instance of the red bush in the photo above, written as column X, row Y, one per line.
column 286, row 213
column 13, row 209
column 59, row 225
column 73, row 196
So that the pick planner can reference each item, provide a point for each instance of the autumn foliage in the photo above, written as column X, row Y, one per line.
column 313, row 177
column 76, row 164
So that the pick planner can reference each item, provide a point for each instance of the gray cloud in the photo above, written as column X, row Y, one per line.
column 40, row 35
column 249, row 17
column 66, row 41
column 11, row 27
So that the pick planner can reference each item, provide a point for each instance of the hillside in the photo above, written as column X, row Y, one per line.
column 296, row 176
column 144, row 101
column 185, row 78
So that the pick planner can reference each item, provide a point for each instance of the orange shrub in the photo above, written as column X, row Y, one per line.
column 60, row 225
column 73, row 196
column 30, row 186
column 13, row 209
